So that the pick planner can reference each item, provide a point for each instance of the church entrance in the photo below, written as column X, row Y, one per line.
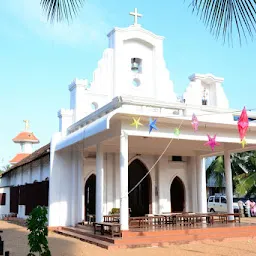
column 140, row 199
column 177, row 195
column 90, row 196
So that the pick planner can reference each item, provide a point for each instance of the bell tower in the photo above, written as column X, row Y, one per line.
column 138, row 64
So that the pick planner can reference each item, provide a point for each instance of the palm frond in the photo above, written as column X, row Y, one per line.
column 216, row 171
column 222, row 16
column 61, row 10
column 246, row 183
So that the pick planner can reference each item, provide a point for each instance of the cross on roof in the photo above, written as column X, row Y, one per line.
column 26, row 124
column 136, row 15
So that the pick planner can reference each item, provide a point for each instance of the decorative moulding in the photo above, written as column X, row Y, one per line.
column 136, row 29
column 177, row 165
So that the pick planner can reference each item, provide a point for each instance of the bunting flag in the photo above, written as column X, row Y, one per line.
column 177, row 132
column 212, row 142
column 243, row 142
column 194, row 122
column 152, row 125
column 136, row 122
column 243, row 124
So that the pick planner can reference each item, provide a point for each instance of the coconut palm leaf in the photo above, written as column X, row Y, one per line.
column 222, row 17
column 61, row 10
column 216, row 171
column 246, row 183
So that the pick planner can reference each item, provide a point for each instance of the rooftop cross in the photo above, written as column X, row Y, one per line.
column 26, row 124
column 136, row 15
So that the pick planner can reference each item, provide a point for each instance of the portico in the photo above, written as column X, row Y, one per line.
column 110, row 145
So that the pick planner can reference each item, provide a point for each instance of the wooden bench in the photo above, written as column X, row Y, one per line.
column 112, row 228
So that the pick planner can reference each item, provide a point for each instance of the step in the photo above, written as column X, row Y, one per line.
column 192, row 231
column 165, row 237
column 160, row 238
column 85, row 227
column 90, row 234
column 100, row 243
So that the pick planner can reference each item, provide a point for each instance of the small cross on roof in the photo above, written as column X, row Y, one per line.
column 136, row 15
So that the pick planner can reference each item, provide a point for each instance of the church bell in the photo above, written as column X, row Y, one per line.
column 135, row 65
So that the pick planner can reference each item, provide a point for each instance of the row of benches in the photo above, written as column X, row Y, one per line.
column 111, row 223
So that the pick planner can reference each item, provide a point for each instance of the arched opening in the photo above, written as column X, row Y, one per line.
column 90, row 196
column 177, row 195
column 140, row 199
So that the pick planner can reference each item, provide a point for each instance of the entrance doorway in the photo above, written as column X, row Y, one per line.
column 177, row 195
column 140, row 199
column 90, row 196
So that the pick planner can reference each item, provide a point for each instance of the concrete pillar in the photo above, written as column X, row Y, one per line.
column 201, row 187
column 99, row 183
column 124, row 199
column 80, row 187
column 229, row 184
column 193, row 183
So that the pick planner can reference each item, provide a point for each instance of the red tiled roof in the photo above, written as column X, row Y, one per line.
column 30, row 158
column 18, row 158
column 26, row 136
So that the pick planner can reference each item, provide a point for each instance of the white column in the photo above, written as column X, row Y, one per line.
column 201, row 187
column 193, row 182
column 99, row 183
column 80, row 187
column 229, row 184
column 124, row 201
column 73, row 204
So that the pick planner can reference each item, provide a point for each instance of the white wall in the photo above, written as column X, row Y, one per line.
column 113, row 76
column 5, row 209
column 37, row 170
column 168, row 170
column 165, row 172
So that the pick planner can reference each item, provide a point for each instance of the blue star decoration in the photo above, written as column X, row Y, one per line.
column 152, row 125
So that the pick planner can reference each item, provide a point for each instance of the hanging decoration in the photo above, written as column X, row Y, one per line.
column 152, row 125
column 212, row 142
column 136, row 122
column 243, row 124
column 243, row 142
column 194, row 122
column 177, row 132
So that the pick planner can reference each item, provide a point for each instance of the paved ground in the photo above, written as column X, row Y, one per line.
column 15, row 238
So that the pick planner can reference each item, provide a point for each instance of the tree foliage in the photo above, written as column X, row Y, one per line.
column 224, row 17
column 243, row 166
column 37, row 238
column 4, row 168
column 61, row 10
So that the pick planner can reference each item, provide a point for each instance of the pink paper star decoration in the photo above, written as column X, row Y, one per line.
column 194, row 122
column 212, row 142
column 243, row 124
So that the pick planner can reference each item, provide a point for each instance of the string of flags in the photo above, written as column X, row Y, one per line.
column 242, row 124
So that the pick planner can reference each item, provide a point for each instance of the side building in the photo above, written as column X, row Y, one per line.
column 26, row 184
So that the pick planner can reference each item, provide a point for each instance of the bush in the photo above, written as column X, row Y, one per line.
column 115, row 211
column 37, row 238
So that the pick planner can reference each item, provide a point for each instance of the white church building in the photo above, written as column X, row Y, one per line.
column 127, row 141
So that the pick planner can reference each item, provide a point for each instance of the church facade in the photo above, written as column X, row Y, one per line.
column 127, row 141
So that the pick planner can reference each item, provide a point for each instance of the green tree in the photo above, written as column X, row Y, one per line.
column 4, row 168
column 243, row 167
column 222, row 17
column 246, row 182
column 37, row 238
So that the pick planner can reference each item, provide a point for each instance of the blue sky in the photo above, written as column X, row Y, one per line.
column 38, row 60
